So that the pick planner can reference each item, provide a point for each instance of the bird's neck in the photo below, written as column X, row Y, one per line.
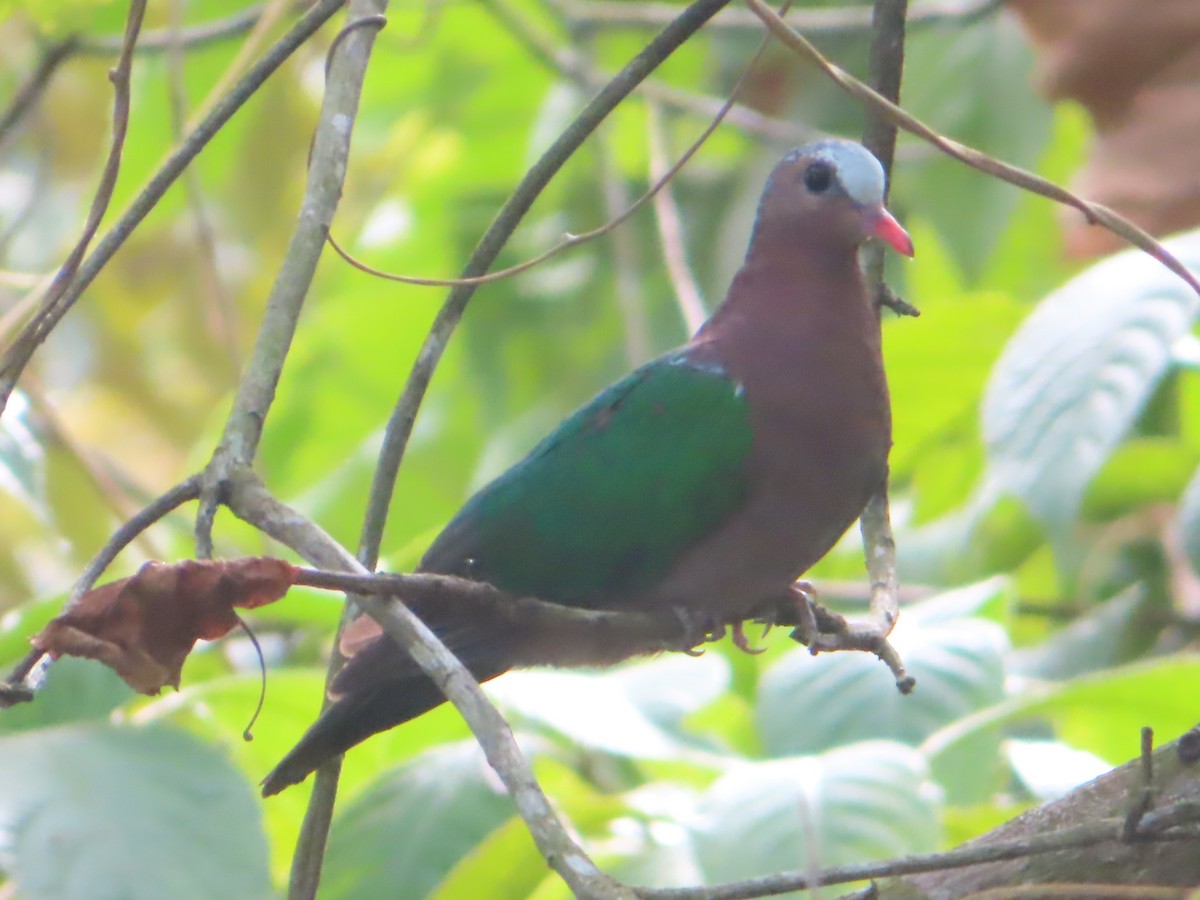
column 791, row 290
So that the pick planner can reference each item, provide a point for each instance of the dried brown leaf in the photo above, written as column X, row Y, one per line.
column 144, row 627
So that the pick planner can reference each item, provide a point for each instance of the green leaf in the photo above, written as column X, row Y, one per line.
column 808, row 704
column 1113, row 632
column 589, row 709
column 74, row 690
column 1140, row 472
column 505, row 865
column 865, row 801
column 1101, row 712
column 413, row 825
column 107, row 811
column 1075, row 376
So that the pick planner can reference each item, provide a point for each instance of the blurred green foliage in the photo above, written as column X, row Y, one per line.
column 1042, row 520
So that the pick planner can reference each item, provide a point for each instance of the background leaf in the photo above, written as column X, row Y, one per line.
column 862, row 801
column 1075, row 376
column 104, row 811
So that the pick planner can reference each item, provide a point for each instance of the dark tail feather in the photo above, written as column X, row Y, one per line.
column 348, row 721
column 381, row 687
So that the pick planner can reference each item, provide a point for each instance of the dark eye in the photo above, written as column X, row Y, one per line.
column 818, row 177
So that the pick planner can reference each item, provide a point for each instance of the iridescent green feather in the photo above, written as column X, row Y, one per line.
column 605, row 504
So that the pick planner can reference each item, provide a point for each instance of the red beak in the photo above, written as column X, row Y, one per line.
column 884, row 226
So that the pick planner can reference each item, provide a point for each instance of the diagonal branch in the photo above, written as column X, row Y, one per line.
column 1094, row 212
column 17, row 355
column 249, row 500
column 56, row 302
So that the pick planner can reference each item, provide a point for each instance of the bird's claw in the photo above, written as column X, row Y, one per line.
column 698, row 629
column 742, row 643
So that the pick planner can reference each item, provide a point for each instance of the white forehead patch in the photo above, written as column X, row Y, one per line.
column 858, row 171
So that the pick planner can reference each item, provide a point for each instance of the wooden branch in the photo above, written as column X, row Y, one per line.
column 17, row 355
column 1042, row 845
column 831, row 20
column 1094, row 212
column 250, row 501
column 56, row 301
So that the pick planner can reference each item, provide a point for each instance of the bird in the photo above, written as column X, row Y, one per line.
column 706, row 482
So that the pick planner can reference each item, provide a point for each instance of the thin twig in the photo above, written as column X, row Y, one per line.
column 222, row 312
column 564, row 61
column 670, row 228
column 1089, row 834
column 570, row 240
column 253, row 503
column 31, row 90
column 13, row 689
column 1094, row 212
column 16, row 355
column 1143, row 792
column 814, row 21
column 190, row 38
column 13, row 361
column 886, row 65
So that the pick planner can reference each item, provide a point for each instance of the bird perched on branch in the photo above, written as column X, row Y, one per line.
column 705, row 482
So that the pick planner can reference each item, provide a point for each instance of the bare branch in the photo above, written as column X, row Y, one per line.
column 13, row 360
column 1094, row 212
column 55, row 303
column 670, row 228
column 221, row 308
column 28, row 94
column 834, row 20
column 196, row 36
column 1090, row 834
column 251, row 502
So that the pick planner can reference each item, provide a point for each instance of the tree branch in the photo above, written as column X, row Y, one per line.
column 833, row 20
column 196, row 36
column 886, row 65
column 18, row 354
column 1094, row 212
column 489, row 727
column 251, row 502
column 31, row 90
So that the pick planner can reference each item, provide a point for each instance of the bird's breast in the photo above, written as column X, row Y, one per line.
column 820, row 414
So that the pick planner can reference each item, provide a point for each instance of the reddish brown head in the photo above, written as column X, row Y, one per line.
column 832, row 190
